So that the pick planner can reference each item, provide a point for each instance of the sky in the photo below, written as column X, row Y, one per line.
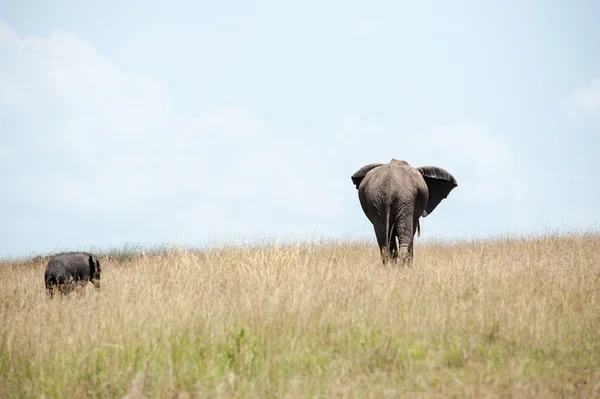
column 191, row 122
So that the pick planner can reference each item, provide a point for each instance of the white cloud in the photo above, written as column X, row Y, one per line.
column 83, row 137
column 496, row 189
column 97, row 138
column 491, row 177
column 483, row 163
column 584, row 103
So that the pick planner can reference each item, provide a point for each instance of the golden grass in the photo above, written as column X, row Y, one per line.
column 504, row 318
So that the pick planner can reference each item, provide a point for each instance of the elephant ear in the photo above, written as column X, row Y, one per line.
column 439, row 183
column 358, row 177
column 94, row 266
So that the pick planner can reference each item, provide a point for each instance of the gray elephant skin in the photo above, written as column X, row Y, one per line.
column 393, row 196
column 69, row 271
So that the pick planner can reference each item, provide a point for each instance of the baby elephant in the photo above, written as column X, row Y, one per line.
column 69, row 271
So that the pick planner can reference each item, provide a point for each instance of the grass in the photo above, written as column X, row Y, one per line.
column 501, row 318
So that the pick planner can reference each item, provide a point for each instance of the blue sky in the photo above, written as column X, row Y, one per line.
column 187, row 122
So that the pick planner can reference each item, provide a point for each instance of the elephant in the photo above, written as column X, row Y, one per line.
column 71, row 270
column 393, row 196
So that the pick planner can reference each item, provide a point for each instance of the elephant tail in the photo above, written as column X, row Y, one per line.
column 418, row 228
column 388, row 229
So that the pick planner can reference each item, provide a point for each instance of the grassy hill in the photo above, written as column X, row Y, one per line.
column 508, row 317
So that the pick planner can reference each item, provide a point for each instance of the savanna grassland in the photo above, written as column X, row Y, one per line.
column 500, row 318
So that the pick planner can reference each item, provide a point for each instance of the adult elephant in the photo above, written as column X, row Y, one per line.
column 394, row 196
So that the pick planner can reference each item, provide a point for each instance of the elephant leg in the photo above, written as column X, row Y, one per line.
column 382, row 242
column 416, row 227
column 66, row 288
column 404, row 229
column 79, row 290
column 394, row 247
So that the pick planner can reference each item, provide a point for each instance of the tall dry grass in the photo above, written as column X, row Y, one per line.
column 505, row 318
